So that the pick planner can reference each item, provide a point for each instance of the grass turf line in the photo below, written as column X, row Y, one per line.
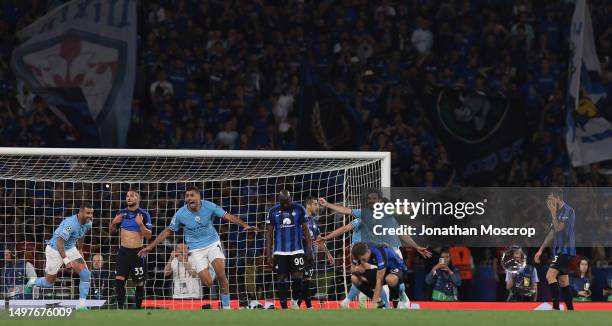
column 325, row 317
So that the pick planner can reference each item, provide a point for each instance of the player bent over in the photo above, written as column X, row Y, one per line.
column 375, row 266
column 196, row 220
column 61, row 250
column 287, row 228
column 135, row 224
column 361, row 233
column 561, row 235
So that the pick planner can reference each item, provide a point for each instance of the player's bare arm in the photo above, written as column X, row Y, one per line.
column 336, row 208
column 62, row 251
column 336, row 233
column 308, row 248
column 545, row 243
column 407, row 240
column 269, row 239
column 161, row 237
column 322, row 246
column 237, row 220
column 143, row 229
column 114, row 226
column 380, row 276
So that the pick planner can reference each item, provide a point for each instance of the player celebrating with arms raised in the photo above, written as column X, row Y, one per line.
column 62, row 250
column 135, row 225
column 562, row 235
column 287, row 227
column 196, row 218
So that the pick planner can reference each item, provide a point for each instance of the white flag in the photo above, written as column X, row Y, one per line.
column 81, row 58
column 588, row 135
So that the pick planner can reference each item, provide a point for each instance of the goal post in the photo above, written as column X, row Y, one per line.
column 41, row 186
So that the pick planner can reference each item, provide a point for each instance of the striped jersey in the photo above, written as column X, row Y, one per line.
column 287, row 224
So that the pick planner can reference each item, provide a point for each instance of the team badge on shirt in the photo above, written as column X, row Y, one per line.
column 197, row 219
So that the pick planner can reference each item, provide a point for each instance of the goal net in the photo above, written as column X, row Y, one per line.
column 39, row 187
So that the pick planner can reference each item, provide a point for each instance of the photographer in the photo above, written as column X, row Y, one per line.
column 445, row 278
column 185, row 280
column 522, row 284
column 581, row 282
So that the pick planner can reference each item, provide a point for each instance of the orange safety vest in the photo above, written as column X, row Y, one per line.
column 461, row 257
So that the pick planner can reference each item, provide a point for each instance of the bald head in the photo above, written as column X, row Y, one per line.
column 284, row 198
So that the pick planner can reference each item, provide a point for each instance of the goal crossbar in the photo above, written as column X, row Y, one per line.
column 24, row 163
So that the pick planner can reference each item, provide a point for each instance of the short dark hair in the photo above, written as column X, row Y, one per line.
column 359, row 249
column 193, row 188
column 309, row 200
column 85, row 205
column 557, row 192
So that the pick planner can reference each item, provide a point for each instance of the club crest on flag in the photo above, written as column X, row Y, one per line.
column 80, row 58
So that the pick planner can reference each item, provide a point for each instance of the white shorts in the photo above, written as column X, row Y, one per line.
column 54, row 260
column 202, row 257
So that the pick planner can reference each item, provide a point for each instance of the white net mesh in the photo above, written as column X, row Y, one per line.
column 38, row 191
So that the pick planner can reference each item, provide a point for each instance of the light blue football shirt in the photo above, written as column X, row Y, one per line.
column 71, row 230
column 198, row 226
column 366, row 224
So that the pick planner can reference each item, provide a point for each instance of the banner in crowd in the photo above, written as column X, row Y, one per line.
column 588, row 133
column 482, row 133
column 81, row 58
column 327, row 121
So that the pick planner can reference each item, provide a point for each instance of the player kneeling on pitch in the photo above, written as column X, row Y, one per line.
column 374, row 266
column 62, row 250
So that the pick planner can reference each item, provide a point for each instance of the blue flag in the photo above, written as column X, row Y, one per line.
column 81, row 58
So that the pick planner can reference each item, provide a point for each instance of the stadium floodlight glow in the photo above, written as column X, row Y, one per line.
column 41, row 186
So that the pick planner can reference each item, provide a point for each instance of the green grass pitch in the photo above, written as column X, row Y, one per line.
column 326, row 317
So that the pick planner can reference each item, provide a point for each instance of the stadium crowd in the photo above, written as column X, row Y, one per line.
column 226, row 75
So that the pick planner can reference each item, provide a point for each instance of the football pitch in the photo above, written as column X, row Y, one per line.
column 326, row 317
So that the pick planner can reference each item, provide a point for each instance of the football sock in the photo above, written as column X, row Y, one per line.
column 84, row 277
column 306, row 294
column 43, row 283
column 353, row 293
column 225, row 300
column 139, row 295
column 120, row 292
column 567, row 297
column 554, row 294
column 395, row 293
column 296, row 288
column 283, row 293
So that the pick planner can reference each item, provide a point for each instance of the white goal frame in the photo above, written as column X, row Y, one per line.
column 383, row 157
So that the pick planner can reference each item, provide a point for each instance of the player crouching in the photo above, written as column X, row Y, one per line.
column 374, row 266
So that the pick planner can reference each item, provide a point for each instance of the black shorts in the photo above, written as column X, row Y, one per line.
column 370, row 275
column 309, row 268
column 128, row 263
column 561, row 262
column 284, row 264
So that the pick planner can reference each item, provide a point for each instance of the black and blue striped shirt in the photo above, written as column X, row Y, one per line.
column 287, row 223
